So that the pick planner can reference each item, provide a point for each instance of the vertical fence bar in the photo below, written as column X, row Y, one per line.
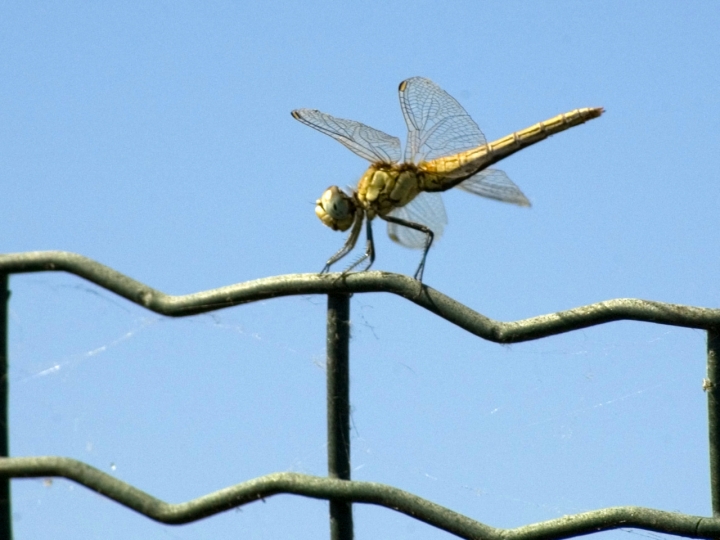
column 5, row 511
column 712, row 388
column 338, row 409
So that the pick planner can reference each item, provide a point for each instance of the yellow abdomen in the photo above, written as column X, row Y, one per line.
column 447, row 172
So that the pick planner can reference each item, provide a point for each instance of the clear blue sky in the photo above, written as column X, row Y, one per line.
column 156, row 138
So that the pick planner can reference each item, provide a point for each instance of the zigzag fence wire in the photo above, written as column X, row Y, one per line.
column 337, row 488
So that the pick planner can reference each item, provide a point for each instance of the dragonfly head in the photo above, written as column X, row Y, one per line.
column 336, row 209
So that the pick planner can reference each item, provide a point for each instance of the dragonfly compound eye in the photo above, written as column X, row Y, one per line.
column 336, row 209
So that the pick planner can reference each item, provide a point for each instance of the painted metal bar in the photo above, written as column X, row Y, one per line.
column 338, row 409
column 392, row 498
column 619, row 309
column 712, row 387
column 5, row 509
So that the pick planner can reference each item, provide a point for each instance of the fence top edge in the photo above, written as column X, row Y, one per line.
column 363, row 282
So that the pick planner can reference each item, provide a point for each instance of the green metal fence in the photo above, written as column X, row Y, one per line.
column 337, row 487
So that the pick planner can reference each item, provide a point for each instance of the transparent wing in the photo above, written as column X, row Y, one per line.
column 437, row 124
column 427, row 209
column 495, row 184
column 365, row 141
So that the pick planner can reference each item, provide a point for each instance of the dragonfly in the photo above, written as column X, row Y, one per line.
column 445, row 149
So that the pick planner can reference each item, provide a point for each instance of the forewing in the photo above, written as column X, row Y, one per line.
column 365, row 141
column 427, row 209
column 437, row 124
column 495, row 184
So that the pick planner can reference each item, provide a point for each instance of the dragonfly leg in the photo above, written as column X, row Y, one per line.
column 428, row 242
column 349, row 243
column 369, row 251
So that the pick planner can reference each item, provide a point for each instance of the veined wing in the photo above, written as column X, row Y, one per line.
column 494, row 184
column 366, row 142
column 427, row 209
column 437, row 124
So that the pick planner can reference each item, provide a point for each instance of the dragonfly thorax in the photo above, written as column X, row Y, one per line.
column 336, row 209
column 385, row 187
